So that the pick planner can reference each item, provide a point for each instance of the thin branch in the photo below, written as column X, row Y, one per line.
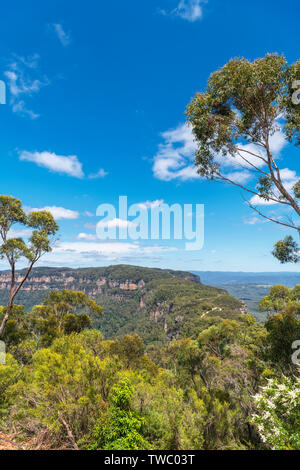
column 278, row 183
column 251, row 164
column 223, row 178
column 270, row 218
column 69, row 433
column 253, row 154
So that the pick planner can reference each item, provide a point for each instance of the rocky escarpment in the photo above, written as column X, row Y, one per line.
column 111, row 281
column 120, row 276
column 65, row 281
column 159, row 305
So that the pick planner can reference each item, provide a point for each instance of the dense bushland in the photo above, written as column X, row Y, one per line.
column 64, row 386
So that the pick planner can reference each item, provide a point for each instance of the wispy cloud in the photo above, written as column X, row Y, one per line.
column 87, row 253
column 88, row 214
column 64, row 38
column 252, row 220
column 21, row 109
column 240, row 177
column 58, row 213
column 69, row 165
column 100, row 174
column 86, row 237
column 116, row 223
column 190, row 10
column 19, row 233
column 151, row 204
column 23, row 81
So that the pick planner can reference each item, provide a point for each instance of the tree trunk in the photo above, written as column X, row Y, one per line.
column 13, row 292
column 8, row 310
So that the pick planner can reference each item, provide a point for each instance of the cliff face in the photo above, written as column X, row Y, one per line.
column 93, row 281
column 160, row 305
column 92, row 287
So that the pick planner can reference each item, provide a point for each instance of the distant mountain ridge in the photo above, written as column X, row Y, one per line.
column 249, row 287
column 290, row 279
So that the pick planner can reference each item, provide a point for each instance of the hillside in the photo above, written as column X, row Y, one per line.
column 159, row 305
column 249, row 287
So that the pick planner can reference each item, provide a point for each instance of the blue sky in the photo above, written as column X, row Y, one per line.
column 96, row 94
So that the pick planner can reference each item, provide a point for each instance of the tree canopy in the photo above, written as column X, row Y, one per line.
column 43, row 229
column 236, row 122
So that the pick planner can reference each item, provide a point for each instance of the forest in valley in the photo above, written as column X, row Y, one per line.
column 232, row 385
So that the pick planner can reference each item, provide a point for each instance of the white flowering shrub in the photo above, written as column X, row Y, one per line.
column 278, row 418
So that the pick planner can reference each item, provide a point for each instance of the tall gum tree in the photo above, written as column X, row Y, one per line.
column 247, row 104
column 43, row 228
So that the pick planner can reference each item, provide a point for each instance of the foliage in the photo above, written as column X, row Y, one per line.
column 43, row 227
column 286, row 250
column 278, row 417
column 120, row 428
column 234, row 120
column 283, row 326
column 57, row 316
column 74, row 389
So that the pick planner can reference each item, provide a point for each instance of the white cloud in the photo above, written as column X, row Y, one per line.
column 258, row 201
column 118, row 223
column 288, row 175
column 100, row 174
column 64, row 164
column 64, row 38
column 174, row 161
column 277, row 141
column 96, row 248
column 239, row 177
column 87, row 237
column 109, row 248
column 58, row 212
column 88, row 214
column 22, row 84
column 175, row 156
column 249, row 151
column 20, row 108
column 90, row 253
column 252, row 221
column 151, row 204
column 17, row 85
column 21, row 233
column 69, row 165
column 189, row 10
column 246, row 152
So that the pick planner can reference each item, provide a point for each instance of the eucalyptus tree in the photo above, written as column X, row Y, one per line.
column 249, row 110
column 43, row 229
